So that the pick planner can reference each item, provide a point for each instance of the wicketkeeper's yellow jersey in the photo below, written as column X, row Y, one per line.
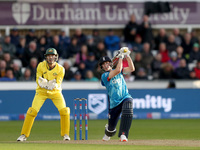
column 57, row 73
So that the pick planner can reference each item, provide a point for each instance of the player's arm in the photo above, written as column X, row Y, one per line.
column 38, row 73
column 60, row 76
column 130, row 67
column 118, row 68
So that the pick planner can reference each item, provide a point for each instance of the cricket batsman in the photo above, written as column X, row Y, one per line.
column 49, row 77
column 120, row 101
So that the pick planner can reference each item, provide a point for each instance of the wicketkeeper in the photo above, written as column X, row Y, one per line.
column 49, row 77
column 120, row 101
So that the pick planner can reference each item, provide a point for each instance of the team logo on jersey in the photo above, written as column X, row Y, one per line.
column 55, row 74
column 97, row 103
column 21, row 12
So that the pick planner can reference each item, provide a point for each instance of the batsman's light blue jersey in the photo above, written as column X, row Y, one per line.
column 116, row 87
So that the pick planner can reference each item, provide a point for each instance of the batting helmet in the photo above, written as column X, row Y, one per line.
column 104, row 59
column 52, row 51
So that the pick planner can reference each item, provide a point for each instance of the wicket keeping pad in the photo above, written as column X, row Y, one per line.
column 65, row 120
column 28, row 122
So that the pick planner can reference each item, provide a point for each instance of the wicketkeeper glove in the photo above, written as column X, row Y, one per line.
column 51, row 84
column 43, row 83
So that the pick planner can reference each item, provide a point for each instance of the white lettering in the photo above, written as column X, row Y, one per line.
column 79, row 15
column 50, row 14
column 94, row 13
column 38, row 10
column 153, row 102
column 67, row 11
column 184, row 14
column 122, row 14
column 108, row 11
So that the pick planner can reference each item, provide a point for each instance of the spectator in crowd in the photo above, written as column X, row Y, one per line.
column 77, row 76
column 42, row 45
column 64, row 39
column 17, row 71
column 187, row 45
column 178, row 37
column 9, row 75
column 167, row 71
column 160, row 38
column 112, row 41
column 174, row 61
column 8, row 47
column 141, row 74
column 98, row 72
column 14, row 36
column 27, row 75
column 138, row 63
column 164, row 52
column 33, row 67
column 128, row 77
column 1, row 51
column 2, row 68
column 171, row 44
column 20, row 48
column 31, row 52
column 30, row 36
column 68, row 72
column 8, row 59
column 72, row 49
column 171, row 84
column 179, row 51
column 197, row 69
column 130, row 30
column 56, row 44
column 80, row 36
column 82, row 55
column 156, row 65
column 145, row 31
column 194, row 38
column 195, row 53
column 100, row 51
column 90, row 76
column 96, row 36
column 192, row 75
column 91, row 62
column 147, row 58
column 48, row 37
column 182, row 72
column 136, row 46
column 90, row 44
column 82, row 69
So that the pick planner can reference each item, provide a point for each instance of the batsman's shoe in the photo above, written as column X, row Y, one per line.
column 123, row 138
column 106, row 138
column 21, row 138
column 66, row 137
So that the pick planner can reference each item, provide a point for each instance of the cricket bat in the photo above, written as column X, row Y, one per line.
column 116, row 57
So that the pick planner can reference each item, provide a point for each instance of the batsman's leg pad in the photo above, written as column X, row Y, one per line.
column 126, row 118
column 28, row 122
column 65, row 120
column 110, row 133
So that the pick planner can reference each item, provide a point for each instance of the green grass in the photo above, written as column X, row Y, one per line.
column 188, row 129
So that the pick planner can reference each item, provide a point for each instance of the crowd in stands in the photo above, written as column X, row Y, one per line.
column 164, row 56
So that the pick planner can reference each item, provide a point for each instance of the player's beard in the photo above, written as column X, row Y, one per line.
column 50, row 61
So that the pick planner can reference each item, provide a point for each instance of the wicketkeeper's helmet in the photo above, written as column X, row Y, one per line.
column 51, row 51
column 104, row 59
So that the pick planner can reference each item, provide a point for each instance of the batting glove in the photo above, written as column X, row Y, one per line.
column 124, row 49
column 121, row 56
